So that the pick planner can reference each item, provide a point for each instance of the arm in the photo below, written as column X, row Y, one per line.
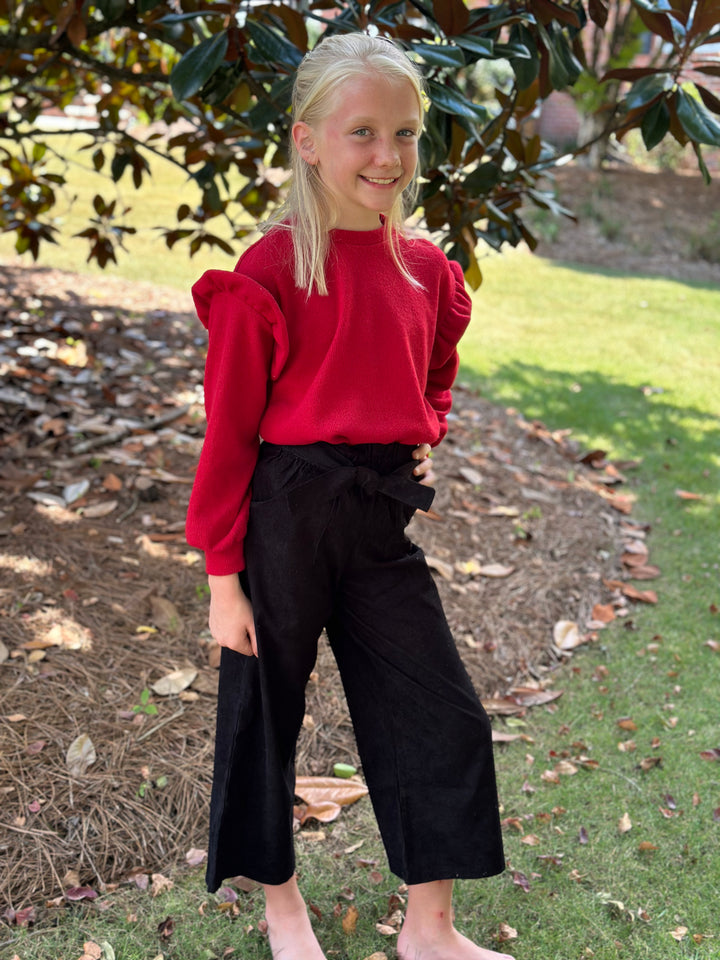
column 452, row 323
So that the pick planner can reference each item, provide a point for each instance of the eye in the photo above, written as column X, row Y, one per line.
column 361, row 132
column 407, row 133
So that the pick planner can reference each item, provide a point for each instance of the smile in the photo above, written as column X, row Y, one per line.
column 383, row 181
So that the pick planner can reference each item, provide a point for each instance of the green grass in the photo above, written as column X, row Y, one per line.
column 147, row 257
column 631, row 365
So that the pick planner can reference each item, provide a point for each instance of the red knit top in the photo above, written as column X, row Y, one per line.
column 371, row 362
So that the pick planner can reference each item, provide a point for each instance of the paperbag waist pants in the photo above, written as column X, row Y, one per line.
column 326, row 548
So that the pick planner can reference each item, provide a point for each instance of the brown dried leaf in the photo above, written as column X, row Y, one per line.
column 159, row 884
column 173, row 683
column 566, row 635
column 316, row 790
column 495, row 571
column 350, row 919
column 165, row 615
column 80, row 755
column 324, row 810
column 506, row 932
column 624, row 823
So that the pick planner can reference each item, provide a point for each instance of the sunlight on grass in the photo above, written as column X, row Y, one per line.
column 147, row 257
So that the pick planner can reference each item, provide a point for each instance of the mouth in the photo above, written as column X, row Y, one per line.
column 381, row 181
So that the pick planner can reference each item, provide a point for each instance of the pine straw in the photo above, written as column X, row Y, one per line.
column 143, row 803
column 98, row 825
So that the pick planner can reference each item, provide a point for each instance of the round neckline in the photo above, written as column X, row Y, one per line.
column 358, row 237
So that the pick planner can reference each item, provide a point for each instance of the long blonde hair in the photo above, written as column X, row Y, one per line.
column 309, row 211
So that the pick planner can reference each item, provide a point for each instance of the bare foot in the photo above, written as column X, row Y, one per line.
column 289, row 928
column 446, row 945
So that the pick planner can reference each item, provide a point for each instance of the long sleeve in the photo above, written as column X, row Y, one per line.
column 444, row 360
column 246, row 351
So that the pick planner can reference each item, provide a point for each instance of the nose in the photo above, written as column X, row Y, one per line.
column 387, row 154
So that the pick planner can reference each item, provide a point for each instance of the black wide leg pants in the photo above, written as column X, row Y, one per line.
column 326, row 548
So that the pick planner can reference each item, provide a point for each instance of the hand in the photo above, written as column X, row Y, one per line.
column 231, row 618
column 423, row 470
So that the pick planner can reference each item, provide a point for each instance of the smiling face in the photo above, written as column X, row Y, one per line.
column 365, row 148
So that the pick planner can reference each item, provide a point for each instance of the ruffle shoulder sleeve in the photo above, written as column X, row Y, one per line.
column 453, row 319
column 247, row 349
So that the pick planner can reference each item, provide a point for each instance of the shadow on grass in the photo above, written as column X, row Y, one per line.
column 636, row 422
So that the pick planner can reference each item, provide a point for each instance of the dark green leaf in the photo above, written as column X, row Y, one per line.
column 511, row 51
column 439, row 54
column 452, row 101
column 147, row 6
column 695, row 120
column 173, row 18
column 481, row 181
column 482, row 46
column 198, row 65
column 647, row 89
column 111, row 9
column 272, row 47
column 701, row 164
column 655, row 125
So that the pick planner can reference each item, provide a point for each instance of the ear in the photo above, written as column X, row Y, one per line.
column 304, row 140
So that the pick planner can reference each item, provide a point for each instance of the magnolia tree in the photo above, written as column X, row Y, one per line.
column 206, row 86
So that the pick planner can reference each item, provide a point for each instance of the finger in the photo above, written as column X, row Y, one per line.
column 253, row 640
column 421, row 451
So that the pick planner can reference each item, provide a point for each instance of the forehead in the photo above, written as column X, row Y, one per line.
column 374, row 96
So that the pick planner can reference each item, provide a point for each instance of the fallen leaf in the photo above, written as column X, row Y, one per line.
column 92, row 950
column 624, row 823
column 315, row 790
column 626, row 723
column 604, row 612
column 444, row 569
column 566, row 635
column 713, row 754
column 583, row 836
column 713, row 644
column 80, row 755
column 81, row 893
column 687, row 495
column 159, row 884
column 172, row 683
column 495, row 571
column 325, row 811
column 166, row 928
column 530, row 840
column 4, row 652
column 376, row 956
column 506, row 932
column 565, row 768
column 646, row 846
column 385, row 929
column 195, row 857
column 646, row 572
column 100, row 509
column 165, row 615
column 350, row 919
column 679, row 933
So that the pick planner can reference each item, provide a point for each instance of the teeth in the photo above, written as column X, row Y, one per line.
column 378, row 180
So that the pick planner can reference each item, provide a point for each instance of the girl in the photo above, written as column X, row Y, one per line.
column 335, row 341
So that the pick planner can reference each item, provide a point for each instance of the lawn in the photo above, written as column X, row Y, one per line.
column 612, row 799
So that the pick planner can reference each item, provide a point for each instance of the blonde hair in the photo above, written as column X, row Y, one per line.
column 309, row 211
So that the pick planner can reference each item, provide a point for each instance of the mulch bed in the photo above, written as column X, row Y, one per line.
column 101, row 597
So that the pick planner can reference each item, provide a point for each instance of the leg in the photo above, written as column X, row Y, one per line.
column 423, row 736
column 429, row 933
column 289, row 929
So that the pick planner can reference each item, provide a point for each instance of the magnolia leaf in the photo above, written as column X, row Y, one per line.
column 566, row 635
column 173, row 683
column 165, row 615
column 317, row 790
column 198, row 65
column 80, row 755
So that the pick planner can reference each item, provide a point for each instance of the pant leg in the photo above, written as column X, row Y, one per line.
column 423, row 736
column 261, row 702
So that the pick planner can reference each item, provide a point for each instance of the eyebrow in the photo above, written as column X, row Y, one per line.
column 370, row 121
